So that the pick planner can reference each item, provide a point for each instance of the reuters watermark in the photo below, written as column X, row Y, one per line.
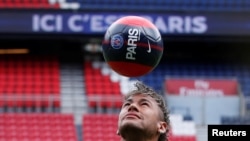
column 218, row 132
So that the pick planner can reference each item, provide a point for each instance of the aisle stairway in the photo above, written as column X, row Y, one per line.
column 73, row 96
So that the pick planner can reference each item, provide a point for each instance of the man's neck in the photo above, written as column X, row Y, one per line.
column 137, row 134
column 139, row 138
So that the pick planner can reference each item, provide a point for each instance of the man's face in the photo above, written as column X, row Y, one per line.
column 139, row 112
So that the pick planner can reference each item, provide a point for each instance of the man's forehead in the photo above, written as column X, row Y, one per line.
column 139, row 96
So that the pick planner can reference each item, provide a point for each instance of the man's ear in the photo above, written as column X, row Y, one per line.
column 162, row 127
column 118, row 133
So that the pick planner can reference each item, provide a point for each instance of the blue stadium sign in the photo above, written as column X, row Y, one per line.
column 68, row 22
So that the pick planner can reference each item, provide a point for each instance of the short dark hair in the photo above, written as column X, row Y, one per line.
column 142, row 88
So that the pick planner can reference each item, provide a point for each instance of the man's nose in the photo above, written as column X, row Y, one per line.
column 133, row 107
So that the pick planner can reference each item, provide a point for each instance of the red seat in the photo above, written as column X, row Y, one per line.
column 101, row 85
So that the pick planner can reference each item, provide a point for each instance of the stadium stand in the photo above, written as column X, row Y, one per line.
column 100, row 87
column 95, row 73
column 98, row 75
column 43, row 126
column 199, row 70
column 29, row 81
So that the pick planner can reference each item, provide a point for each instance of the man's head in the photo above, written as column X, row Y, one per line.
column 144, row 112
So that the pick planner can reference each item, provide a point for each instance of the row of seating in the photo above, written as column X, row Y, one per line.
column 40, row 126
column 27, row 80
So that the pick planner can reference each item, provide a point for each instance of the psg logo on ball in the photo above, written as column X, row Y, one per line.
column 117, row 41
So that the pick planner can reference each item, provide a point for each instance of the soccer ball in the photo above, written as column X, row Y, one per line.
column 132, row 46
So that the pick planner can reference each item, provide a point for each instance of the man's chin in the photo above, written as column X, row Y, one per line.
column 130, row 127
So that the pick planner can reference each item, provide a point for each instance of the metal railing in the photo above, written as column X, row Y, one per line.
column 28, row 100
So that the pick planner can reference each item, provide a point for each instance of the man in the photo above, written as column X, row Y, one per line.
column 143, row 116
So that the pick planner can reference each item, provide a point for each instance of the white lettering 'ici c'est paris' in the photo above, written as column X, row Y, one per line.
column 179, row 24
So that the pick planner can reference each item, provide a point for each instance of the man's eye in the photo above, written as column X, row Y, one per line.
column 144, row 103
column 126, row 104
